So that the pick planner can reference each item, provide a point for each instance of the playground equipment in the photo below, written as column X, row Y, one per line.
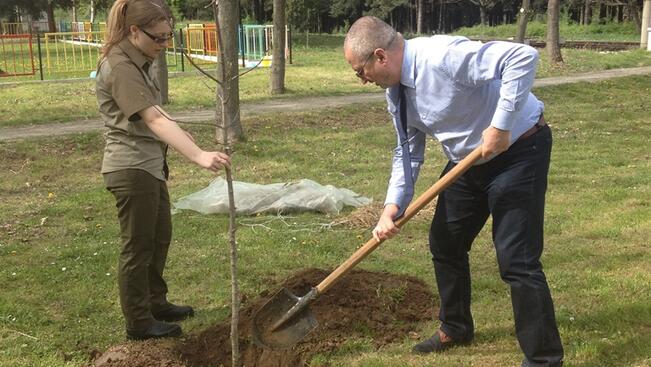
column 75, row 48
column 254, row 43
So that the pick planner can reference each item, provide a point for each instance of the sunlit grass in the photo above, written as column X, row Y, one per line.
column 59, row 236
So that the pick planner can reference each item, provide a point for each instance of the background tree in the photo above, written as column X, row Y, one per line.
column 646, row 21
column 346, row 11
column 228, row 91
column 160, row 70
column 484, row 7
column 420, row 16
column 278, row 53
column 523, row 19
column 553, row 32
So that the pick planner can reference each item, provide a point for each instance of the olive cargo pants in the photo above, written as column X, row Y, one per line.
column 145, row 231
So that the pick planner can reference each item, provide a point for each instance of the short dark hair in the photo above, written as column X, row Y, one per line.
column 367, row 34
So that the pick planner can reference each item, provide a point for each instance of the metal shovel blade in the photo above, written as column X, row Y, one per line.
column 272, row 333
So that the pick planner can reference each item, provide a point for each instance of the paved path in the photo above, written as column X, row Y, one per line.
column 286, row 104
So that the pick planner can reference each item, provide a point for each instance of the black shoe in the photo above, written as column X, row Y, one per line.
column 158, row 329
column 174, row 313
column 525, row 363
column 434, row 344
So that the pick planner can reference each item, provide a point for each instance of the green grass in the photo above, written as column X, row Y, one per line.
column 319, row 70
column 59, row 236
column 568, row 31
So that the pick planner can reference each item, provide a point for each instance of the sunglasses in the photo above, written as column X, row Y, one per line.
column 159, row 40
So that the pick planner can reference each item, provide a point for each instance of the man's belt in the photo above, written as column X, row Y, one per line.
column 534, row 129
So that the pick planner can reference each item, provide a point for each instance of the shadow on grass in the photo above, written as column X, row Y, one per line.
column 622, row 333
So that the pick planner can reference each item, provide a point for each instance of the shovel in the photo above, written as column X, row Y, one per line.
column 286, row 319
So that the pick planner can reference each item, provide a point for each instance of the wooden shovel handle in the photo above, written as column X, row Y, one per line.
column 412, row 210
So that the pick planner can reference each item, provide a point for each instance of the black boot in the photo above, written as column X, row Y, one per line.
column 173, row 313
column 158, row 329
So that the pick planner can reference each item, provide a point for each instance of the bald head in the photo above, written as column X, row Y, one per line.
column 367, row 34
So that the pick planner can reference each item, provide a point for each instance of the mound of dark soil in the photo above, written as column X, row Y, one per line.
column 382, row 307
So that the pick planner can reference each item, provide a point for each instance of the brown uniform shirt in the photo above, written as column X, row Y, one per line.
column 124, row 87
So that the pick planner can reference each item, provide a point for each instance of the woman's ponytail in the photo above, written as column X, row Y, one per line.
column 116, row 26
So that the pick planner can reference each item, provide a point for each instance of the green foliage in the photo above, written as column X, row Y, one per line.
column 382, row 8
column 611, row 31
column 192, row 9
column 303, row 14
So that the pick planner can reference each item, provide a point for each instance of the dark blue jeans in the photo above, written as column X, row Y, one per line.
column 511, row 187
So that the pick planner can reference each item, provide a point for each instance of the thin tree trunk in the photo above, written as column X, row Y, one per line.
column 92, row 11
column 553, row 30
column 635, row 14
column 420, row 16
column 278, row 53
column 440, row 26
column 588, row 12
column 254, row 13
column 646, row 22
column 74, row 11
column 522, row 21
column 229, row 62
column 482, row 15
column 228, row 98
column 161, row 72
column 51, row 24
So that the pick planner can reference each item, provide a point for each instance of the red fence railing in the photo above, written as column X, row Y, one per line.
column 16, row 55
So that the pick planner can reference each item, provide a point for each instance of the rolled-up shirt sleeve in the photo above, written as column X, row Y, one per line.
column 473, row 63
column 397, row 191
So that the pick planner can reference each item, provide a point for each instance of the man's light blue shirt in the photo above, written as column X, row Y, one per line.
column 455, row 89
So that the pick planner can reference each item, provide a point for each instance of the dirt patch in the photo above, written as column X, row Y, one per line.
column 380, row 307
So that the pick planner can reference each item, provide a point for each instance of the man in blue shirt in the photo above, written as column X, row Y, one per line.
column 466, row 94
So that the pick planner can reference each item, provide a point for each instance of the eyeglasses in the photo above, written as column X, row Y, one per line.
column 159, row 40
column 360, row 72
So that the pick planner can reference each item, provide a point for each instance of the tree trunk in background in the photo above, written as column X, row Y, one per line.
column 74, row 11
column 634, row 11
column 253, row 11
column 160, row 71
column 522, row 21
column 420, row 16
column 553, row 32
column 646, row 22
column 440, row 28
column 228, row 16
column 278, row 53
column 587, row 12
column 92, row 11
column 482, row 15
column 51, row 24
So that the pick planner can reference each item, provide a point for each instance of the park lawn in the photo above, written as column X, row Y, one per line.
column 59, row 236
column 317, row 70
